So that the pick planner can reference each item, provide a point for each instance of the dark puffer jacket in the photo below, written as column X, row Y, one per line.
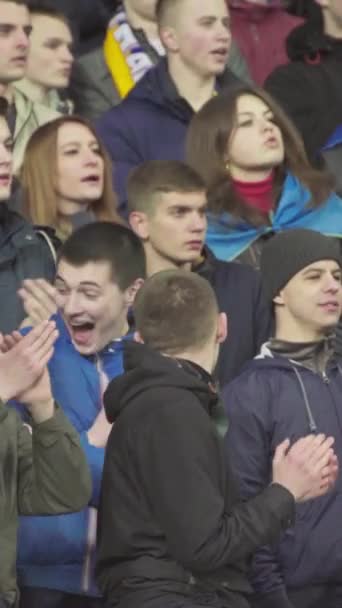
column 24, row 254
column 310, row 87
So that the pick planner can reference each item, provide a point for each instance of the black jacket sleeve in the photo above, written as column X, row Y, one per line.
column 182, row 467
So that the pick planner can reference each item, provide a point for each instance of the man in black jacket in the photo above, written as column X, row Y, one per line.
column 310, row 87
column 167, row 205
column 172, row 532
column 24, row 254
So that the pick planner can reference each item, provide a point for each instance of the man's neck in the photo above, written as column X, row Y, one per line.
column 138, row 22
column 201, row 359
column 120, row 330
column 331, row 27
column 196, row 89
column 6, row 90
column 34, row 91
column 301, row 335
column 155, row 263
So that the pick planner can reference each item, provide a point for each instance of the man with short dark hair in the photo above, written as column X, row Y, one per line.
column 172, row 531
column 167, row 210
column 151, row 122
column 50, row 59
column 100, row 268
column 24, row 116
column 292, row 388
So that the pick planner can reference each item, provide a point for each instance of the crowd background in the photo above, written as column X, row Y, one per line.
column 138, row 136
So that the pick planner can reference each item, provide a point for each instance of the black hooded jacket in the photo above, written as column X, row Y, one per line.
column 310, row 87
column 169, row 507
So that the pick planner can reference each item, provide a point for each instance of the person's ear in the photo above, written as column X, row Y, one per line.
column 222, row 328
column 139, row 223
column 132, row 291
column 137, row 337
column 169, row 38
column 323, row 3
column 279, row 299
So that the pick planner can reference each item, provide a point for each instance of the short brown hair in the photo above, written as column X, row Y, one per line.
column 47, row 8
column 176, row 311
column 156, row 177
column 208, row 135
column 38, row 176
column 163, row 8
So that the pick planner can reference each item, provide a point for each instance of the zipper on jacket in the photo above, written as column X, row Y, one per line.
column 325, row 378
column 87, row 575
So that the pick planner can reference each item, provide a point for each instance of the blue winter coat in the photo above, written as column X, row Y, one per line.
column 150, row 124
column 55, row 552
column 274, row 399
column 228, row 236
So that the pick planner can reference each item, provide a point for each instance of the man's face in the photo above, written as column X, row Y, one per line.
column 333, row 8
column 6, row 158
column 144, row 8
column 15, row 28
column 175, row 229
column 93, row 307
column 50, row 58
column 202, row 36
column 313, row 297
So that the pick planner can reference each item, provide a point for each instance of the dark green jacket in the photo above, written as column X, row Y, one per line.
column 42, row 473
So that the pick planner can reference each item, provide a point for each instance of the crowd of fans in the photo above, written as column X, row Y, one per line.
column 171, row 302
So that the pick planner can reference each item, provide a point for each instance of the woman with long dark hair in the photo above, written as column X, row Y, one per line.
column 258, row 176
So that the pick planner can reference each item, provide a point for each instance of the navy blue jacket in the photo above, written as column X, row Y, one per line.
column 238, row 291
column 273, row 399
column 150, row 124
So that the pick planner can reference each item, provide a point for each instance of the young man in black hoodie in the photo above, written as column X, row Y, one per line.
column 171, row 529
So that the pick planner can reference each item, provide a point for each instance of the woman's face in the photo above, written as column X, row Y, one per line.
column 256, row 144
column 80, row 168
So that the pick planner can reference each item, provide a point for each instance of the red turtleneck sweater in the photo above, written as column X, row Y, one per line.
column 256, row 194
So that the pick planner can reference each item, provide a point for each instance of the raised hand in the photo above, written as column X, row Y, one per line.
column 23, row 361
column 39, row 299
column 308, row 469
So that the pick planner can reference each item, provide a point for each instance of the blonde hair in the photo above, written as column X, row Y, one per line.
column 38, row 178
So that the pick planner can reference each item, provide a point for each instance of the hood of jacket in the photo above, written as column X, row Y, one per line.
column 158, row 89
column 146, row 369
column 309, row 43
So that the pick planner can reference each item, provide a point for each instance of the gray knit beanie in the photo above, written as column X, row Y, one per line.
column 290, row 251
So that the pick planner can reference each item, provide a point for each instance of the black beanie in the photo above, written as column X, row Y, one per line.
column 290, row 251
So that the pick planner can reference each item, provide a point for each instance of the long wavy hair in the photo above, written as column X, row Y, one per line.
column 38, row 178
column 208, row 138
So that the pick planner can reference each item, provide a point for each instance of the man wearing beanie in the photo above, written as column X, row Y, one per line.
column 292, row 388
